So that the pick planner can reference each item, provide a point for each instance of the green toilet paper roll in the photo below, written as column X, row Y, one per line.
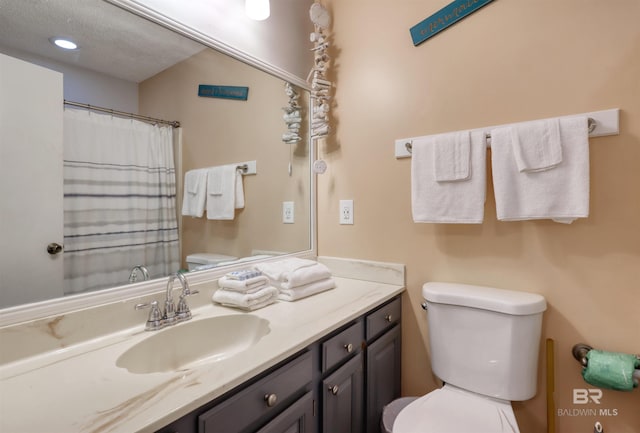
column 610, row 370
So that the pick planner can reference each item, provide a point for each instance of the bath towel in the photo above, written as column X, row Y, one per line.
column 452, row 156
column 560, row 193
column 536, row 145
column 461, row 201
column 292, row 272
column 299, row 292
column 194, row 196
column 247, row 301
column 224, row 192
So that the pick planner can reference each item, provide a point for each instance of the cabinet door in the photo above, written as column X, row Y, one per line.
column 342, row 397
column 383, row 376
column 297, row 418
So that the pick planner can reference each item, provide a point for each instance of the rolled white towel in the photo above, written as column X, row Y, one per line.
column 250, row 285
column 294, row 272
column 303, row 291
column 247, row 301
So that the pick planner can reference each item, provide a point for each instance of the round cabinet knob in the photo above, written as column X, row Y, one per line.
column 388, row 317
column 334, row 389
column 271, row 399
column 54, row 248
column 348, row 347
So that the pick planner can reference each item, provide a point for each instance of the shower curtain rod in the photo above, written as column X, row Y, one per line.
column 174, row 123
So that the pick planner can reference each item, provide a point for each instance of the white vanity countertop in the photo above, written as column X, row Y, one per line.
column 82, row 390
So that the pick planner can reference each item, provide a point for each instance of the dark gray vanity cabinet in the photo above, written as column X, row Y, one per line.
column 342, row 398
column 338, row 384
column 382, row 361
column 297, row 418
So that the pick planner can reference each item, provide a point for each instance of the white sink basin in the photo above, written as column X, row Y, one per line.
column 193, row 343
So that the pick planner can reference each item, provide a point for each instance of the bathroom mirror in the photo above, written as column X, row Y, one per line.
column 130, row 64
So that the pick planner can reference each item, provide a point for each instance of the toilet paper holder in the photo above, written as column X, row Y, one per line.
column 580, row 351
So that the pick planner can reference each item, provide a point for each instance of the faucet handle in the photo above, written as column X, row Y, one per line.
column 154, row 322
column 182, row 311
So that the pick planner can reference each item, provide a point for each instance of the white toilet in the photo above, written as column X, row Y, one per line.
column 484, row 346
column 199, row 261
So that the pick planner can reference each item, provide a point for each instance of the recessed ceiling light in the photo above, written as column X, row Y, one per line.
column 64, row 43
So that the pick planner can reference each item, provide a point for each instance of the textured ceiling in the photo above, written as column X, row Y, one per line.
column 111, row 40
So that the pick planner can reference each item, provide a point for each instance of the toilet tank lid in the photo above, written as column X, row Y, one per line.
column 208, row 258
column 487, row 298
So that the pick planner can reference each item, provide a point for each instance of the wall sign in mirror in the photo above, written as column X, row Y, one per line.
column 239, row 93
column 129, row 64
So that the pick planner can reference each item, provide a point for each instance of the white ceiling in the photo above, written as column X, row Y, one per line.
column 111, row 40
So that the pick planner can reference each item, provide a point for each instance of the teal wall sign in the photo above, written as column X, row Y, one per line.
column 448, row 15
column 223, row 92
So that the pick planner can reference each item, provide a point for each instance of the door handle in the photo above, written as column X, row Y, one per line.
column 54, row 248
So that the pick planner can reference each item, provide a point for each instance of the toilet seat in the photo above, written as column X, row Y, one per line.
column 454, row 410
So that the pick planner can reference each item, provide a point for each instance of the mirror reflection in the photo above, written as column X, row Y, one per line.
column 110, row 189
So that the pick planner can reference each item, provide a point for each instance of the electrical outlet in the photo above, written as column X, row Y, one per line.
column 288, row 212
column 346, row 211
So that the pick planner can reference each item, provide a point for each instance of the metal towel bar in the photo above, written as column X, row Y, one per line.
column 592, row 124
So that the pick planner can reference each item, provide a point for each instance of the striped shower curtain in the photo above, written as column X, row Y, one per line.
column 119, row 200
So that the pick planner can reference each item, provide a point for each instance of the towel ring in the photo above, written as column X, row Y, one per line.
column 591, row 126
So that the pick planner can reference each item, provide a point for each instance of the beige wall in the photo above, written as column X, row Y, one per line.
column 511, row 61
column 221, row 131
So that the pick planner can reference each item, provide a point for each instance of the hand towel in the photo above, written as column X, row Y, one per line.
column 561, row 194
column 194, row 196
column 250, row 285
column 536, row 145
column 452, row 156
column 293, row 272
column 299, row 292
column 239, row 203
column 222, row 192
column 247, row 301
column 448, row 202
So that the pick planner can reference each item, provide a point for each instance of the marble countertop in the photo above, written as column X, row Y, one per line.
column 80, row 388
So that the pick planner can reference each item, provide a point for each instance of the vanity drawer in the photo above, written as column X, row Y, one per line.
column 342, row 345
column 270, row 394
column 383, row 318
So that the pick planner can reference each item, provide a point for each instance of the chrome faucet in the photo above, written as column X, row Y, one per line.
column 171, row 315
column 133, row 277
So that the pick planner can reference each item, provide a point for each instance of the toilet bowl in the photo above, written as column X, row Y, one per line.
column 484, row 346
column 454, row 410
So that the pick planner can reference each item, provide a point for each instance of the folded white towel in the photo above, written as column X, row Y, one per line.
column 452, row 156
column 194, row 196
column 293, row 272
column 305, row 290
column 536, row 145
column 223, row 194
column 250, row 285
column 561, row 194
column 247, row 301
column 448, row 202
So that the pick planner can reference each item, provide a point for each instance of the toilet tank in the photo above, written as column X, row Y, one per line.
column 483, row 339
